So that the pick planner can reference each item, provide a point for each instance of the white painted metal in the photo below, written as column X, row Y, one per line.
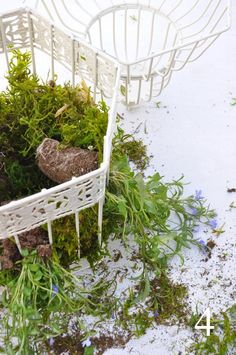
column 49, row 47
column 150, row 38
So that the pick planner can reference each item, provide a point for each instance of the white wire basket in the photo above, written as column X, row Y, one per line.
column 52, row 52
column 150, row 38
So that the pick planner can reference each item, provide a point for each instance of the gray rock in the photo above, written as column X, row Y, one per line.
column 61, row 164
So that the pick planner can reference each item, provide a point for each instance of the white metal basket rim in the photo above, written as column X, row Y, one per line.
column 170, row 49
column 96, row 50
column 47, row 192
column 156, row 54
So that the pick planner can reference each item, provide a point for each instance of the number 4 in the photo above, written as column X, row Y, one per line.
column 208, row 325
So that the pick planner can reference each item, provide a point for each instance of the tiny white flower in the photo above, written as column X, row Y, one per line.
column 90, row 147
column 86, row 342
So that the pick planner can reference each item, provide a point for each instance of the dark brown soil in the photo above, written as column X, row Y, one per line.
column 61, row 164
column 70, row 344
column 34, row 239
column 231, row 190
column 210, row 245
column 31, row 239
column 108, row 341
column 45, row 251
column 10, row 254
column 73, row 345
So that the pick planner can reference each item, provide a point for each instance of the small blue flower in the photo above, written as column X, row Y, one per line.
column 156, row 314
column 51, row 341
column 213, row 223
column 196, row 229
column 201, row 242
column 198, row 195
column 86, row 342
column 55, row 290
column 194, row 211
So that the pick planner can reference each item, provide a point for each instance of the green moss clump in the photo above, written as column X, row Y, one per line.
column 31, row 111
column 65, row 239
column 135, row 150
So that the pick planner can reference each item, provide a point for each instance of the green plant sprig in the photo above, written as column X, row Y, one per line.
column 222, row 340
column 156, row 213
column 38, row 296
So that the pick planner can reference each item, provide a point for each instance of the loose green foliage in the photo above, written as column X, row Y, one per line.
column 222, row 340
column 122, row 90
column 34, row 295
column 40, row 294
column 164, row 306
column 233, row 102
column 156, row 213
column 133, row 17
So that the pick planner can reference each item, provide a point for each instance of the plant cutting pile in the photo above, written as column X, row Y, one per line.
column 41, row 292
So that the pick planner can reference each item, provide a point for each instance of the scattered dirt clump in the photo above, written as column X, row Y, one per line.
column 45, row 251
column 10, row 254
column 67, row 344
column 108, row 341
column 72, row 344
column 231, row 190
column 34, row 239
column 31, row 239
column 210, row 245
column 61, row 164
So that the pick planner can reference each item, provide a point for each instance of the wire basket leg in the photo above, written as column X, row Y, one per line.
column 100, row 214
column 77, row 231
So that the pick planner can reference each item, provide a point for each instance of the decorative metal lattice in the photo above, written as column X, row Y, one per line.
column 150, row 38
column 49, row 47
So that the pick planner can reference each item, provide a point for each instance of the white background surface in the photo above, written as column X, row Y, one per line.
column 194, row 133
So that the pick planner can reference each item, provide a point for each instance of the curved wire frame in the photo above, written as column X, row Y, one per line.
column 150, row 38
column 54, row 51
